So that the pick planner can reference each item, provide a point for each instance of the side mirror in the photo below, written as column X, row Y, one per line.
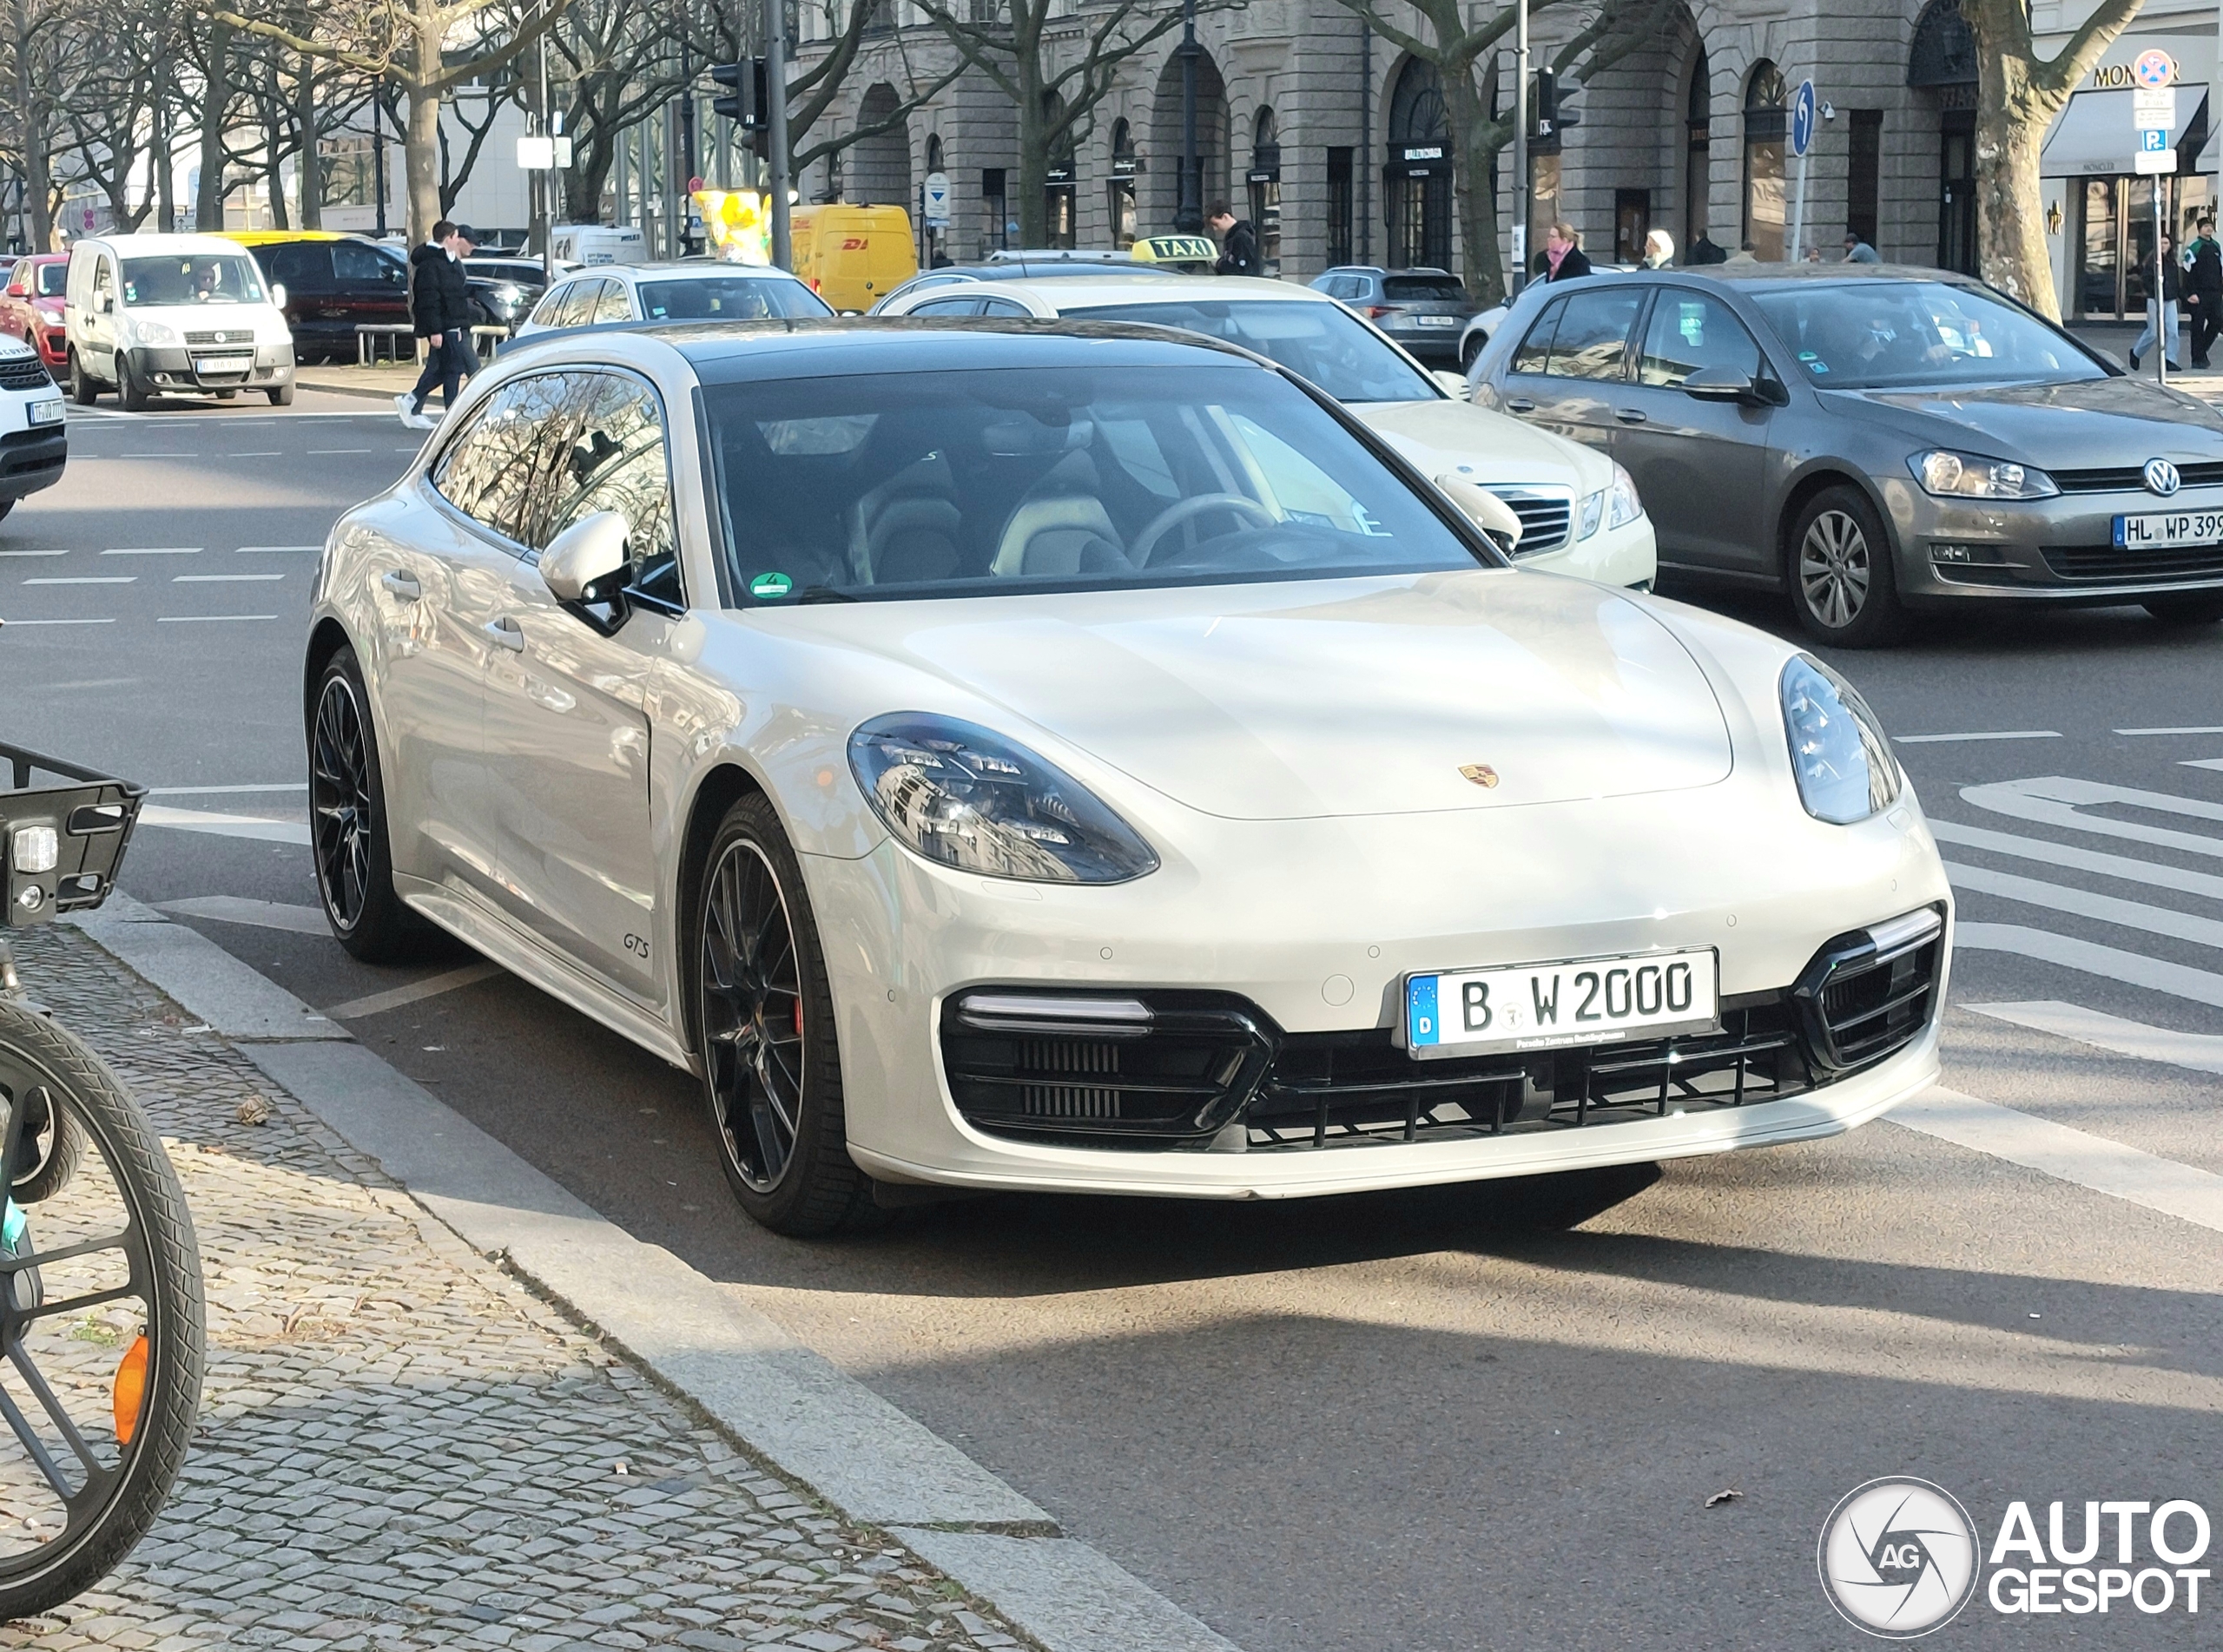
column 278, row 293
column 1454, row 382
column 17, row 290
column 108, row 304
column 1721, row 384
column 583, row 556
column 1482, row 507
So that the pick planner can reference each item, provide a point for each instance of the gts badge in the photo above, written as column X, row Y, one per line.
column 638, row 947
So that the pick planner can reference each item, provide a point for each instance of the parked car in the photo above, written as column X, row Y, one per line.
column 34, row 436
column 1083, row 758
column 1477, row 331
column 1004, row 267
column 1873, row 439
column 333, row 284
column 1579, row 514
column 32, row 308
column 1422, row 309
column 850, row 255
column 146, row 314
column 694, row 291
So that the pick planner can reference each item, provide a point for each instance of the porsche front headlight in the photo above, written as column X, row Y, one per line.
column 960, row 794
column 1839, row 751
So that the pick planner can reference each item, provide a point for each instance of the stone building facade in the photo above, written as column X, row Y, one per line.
column 1334, row 143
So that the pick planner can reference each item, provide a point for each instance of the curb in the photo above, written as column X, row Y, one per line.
column 369, row 392
column 700, row 1338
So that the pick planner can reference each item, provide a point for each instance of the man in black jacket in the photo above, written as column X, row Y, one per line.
column 1238, row 242
column 2204, row 292
column 440, row 309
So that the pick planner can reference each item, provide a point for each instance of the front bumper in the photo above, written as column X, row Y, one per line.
column 210, row 367
column 1627, row 555
column 31, row 459
column 1316, row 923
column 53, row 347
column 2059, row 550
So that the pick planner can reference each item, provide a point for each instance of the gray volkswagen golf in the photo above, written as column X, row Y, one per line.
column 1874, row 440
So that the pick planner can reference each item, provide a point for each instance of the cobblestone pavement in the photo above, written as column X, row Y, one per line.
column 400, row 1447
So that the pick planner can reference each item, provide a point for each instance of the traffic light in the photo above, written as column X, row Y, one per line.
column 744, row 105
column 1548, row 101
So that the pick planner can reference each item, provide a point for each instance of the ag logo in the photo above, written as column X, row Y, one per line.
column 1898, row 1558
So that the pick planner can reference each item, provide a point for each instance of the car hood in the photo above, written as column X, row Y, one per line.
column 1328, row 698
column 2093, row 423
column 1482, row 447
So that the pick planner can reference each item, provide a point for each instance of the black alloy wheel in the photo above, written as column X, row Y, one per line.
column 1842, row 579
column 771, row 1065
column 355, row 865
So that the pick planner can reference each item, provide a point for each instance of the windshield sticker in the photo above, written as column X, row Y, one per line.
column 766, row 586
column 1813, row 362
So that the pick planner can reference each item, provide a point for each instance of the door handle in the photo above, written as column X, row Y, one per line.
column 402, row 585
column 1519, row 404
column 1630, row 416
column 506, row 632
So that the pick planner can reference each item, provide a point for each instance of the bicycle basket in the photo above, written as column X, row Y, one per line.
column 62, row 844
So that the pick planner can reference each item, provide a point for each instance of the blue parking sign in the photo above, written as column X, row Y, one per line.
column 2153, row 139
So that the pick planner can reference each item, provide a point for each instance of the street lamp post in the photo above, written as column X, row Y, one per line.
column 1520, row 147
column 776, row 121
column 543, row 214
column 1189, row 218
column 377, row 152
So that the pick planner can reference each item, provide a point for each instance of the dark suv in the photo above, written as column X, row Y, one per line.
column 334, row 283
column 1424, row 310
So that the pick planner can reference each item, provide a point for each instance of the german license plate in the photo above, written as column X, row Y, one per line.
column 220, row 365
column 47, row 412
column 1437, row 320
column 2158, row 531
column 1557, row 1006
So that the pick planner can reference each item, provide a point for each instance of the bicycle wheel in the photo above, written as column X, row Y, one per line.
column 101, row 1323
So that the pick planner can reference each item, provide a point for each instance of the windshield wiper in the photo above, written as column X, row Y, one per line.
column 824, row 594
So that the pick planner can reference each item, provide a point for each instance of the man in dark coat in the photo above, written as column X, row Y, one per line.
column 2204, row 292
column 440, row 309
column 1238, row 242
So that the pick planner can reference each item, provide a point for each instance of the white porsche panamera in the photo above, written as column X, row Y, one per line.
column 1071, row 756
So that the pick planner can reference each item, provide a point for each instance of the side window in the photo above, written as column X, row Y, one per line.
column 564, row 304
column 358, row 264
column 947, row 306
column 1535, row 350
column 1002, row 307
column 615, row 304
column 1593, row 340
column 615, row 460
column 1689, row 330
column 103, row 279
column 496, row 471
column 301, row 267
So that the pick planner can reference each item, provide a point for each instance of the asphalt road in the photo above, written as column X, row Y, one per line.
column 1492, row 1415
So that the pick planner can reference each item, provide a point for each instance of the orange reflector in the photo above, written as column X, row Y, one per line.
column 798, row 1017
column 130, row 1389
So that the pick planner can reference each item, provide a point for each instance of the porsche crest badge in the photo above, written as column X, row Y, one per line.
column 1480, row 774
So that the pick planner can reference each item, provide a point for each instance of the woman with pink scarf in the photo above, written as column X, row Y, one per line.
column 1563, row 252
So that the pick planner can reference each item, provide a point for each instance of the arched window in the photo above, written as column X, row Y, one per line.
column 1266, row 191
column 1766, row 122
column 1697, row 154
column 1060, row 187
column 1120, row 189
column 1417, row 183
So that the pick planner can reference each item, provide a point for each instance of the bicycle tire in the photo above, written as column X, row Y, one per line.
column 119, row 1501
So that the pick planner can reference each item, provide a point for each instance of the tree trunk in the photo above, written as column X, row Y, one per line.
column 215, row 101
column 587, row 177
column 311, row 163
column 30, row 111
column 421, row 152
column 2011, row 122
column 274, row 175
column 1475, row 140
column 1033, row 138
column 165, row 166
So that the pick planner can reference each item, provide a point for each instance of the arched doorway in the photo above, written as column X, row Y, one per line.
column 1060, row 189
column 879, row 170
column 1698, row 153
column 1767, row 127
column 1213, row 146
column 1942, row 60
column 1416, row 180
column 1266, row 191
column 1121, row 189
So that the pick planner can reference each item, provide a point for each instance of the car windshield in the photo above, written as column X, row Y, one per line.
column 729, row 298
column 1909, row 335
column 192, row 277
column 990, row 482
column 51, row 281
column 1322, row 342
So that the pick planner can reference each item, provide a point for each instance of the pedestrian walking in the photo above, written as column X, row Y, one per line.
column 1658, row 250
column 440, row 309
column 1707, row 250
column 2204, row 292
column 1563, row 254
column 2164, row 287
column 1238, row 242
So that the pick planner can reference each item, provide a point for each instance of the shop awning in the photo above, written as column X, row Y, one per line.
column 2095, row 134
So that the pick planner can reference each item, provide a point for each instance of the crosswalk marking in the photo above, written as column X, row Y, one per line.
column 2083, row 903
column 223, row 826
column 2202, row 1052
column 2068, row 856
column 2133, row 969
column 2202, row 762
column 2056, row 801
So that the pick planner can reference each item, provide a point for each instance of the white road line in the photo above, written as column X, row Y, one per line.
column 2132, row 969
column 220, row 579
column 2202, row 1052
column 223, row 826
column 154, row 455
column 2055, row 806
column 273, row 454
column 2068, row 856
column 2201, row 762
column 2213, row 729
column 329, row 452
column 259, row 914
column 2073, row 1156
column 156, row 550
column 208, row 791
column 272, row 550
column 378, row 1004
column 2083, row 903
column 2014, row 733
column 207, row 619
column 64, row 551
column 86, row 579
column 107, row 622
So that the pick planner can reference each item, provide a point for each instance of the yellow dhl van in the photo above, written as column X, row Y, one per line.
column 853, row 256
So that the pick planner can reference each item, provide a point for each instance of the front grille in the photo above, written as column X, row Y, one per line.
column 1544, row 517
column 2115, row 564
column 1166, row 1070
column 23, row 372
column 2131, row 479
column 32, row 452
column 237, row 335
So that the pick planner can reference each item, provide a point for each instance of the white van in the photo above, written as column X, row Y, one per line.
column 149, row 313
column 598, row 244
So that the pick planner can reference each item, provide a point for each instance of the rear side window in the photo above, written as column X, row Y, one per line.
column 947, row 306
column 614, row 305
column 299, row 267
column 1535, row 351
column 1689, row 330
column 497, row 471
column 358, row 264
column 1403, row 289
column 615, row 460
column 1593, row 340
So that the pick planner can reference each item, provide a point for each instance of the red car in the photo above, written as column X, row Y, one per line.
column 30, row 309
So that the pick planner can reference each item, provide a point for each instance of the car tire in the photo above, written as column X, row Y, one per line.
column 348, row 841
column 1470, row 350
column 83, row 390
column 6, row 505
column 1842, row 582
column 131, row 394
column 764, row 1019
column 282, row 396
column 2186, row 610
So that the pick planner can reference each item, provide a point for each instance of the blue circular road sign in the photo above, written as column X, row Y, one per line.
column 1802, row 118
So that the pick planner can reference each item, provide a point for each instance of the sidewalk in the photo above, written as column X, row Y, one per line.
column 381, row 383
column 401, row 1447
